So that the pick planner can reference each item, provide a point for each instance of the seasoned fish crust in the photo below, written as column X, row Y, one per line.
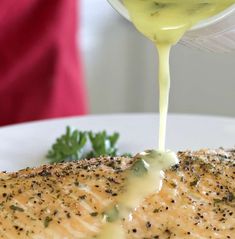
column 197, row 199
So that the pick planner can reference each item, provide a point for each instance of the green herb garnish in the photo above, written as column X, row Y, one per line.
column 217, row 200
column 112, row 215
column 230, row 197
column 73, row 145
column 139, row 168
column 160, row 5
column 68, row 147
column 103, row 144
column 16, row 208
column 47, row 221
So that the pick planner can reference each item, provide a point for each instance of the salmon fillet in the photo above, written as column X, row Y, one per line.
column 197, row 199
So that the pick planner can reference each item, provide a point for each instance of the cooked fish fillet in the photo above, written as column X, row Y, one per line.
column 67, row 200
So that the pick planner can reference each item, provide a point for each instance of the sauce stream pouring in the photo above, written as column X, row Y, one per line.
column 164, row 22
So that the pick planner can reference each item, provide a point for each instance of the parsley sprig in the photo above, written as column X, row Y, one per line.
column 103, row 144
column 68, row 147
column 73, row 145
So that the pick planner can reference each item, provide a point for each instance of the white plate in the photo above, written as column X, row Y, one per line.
column 27, row 144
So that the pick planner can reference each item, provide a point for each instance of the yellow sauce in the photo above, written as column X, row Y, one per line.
column 164, row 22
column 145, row 178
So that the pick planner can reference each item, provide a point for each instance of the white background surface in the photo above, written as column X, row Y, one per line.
column 121, row 69
column 27, row 144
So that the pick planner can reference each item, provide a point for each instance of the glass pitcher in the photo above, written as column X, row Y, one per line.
column 216, row 34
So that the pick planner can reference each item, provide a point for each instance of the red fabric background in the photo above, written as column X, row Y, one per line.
column 40, row 71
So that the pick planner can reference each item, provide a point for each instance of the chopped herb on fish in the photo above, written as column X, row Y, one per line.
column 16, row 208
column 47, row 221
